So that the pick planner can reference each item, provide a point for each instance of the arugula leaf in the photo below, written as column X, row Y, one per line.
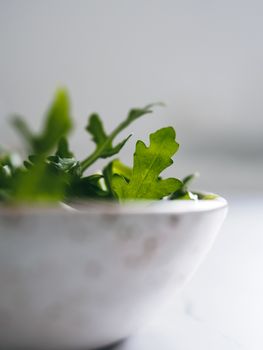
column 113, row 168
column 45, row 179
column 12, row 160
column 104, row 147
column 95, row 128
column 149, row 162
column 40, row 183
column 57, row 124
column 25, row 133
column 63, row 149
column 208, row 196
column 107, row 173
column 66, row 165
column 5, row 179
column 183, row 192
column 9, row 165
column 119, row 168
column 88, row 187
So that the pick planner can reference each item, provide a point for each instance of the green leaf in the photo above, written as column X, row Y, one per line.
column 5, row 172
column 113, row 168
column 12, row 160
column 188, row 196
column 104, row 146
column 41, row 183
column 114, row 150
column 5, row 177
column 63, row 150
column 206, row 196
column 107, row 176
column 148, row 164
column 66, row 165
column 23, row 129
column 57, row 124
column 95, row 128
column 88, row 187
column 189, row 179
column 136, row 113
column 121, row 169
column 183, row 192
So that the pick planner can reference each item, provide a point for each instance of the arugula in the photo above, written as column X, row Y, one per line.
column 57, row 124
column 184, row 193
column 149, row 162
column 63, row 150
column 51, row 172
column 9, row 165
column 104, row 147
column 88, row 187
column 39, row 183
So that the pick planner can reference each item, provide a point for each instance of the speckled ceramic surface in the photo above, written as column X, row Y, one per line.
column 88, row 277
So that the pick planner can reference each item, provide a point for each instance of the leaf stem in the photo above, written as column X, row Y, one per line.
column 98, row 151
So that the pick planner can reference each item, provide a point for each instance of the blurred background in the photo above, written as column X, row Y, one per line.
column 202, row 58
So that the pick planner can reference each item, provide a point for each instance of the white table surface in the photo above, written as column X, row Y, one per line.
column 222, row 307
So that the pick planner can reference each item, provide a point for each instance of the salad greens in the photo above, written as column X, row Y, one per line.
column 51, row 172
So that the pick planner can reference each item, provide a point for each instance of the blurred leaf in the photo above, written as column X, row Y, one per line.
column 23, row 129
column 66, row 165
column 11, row 159
column 183, row 192
column 63, row 149
column 206, row 196
column 57, row 124
column 41, row 183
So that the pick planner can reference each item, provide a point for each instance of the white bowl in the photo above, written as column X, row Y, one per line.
column 80, row 279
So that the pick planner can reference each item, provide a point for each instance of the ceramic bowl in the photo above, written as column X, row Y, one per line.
column 84, row 278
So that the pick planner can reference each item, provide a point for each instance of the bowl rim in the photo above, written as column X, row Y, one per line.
column 93, row 207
